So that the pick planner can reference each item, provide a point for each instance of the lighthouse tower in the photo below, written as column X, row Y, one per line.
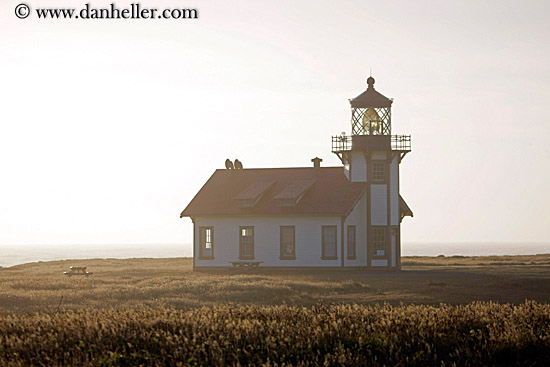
column 372, row 155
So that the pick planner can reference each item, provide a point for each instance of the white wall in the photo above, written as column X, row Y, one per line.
column 267, row 239
column 358, row 167
column 394, row 191
column 379, row 156
column 393, row 250
column 379, row 205
column 383, row 263
column 358, row 217
column 346, row 167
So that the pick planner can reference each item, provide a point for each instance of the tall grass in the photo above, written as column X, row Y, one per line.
column 130, row 283
column 476, row 334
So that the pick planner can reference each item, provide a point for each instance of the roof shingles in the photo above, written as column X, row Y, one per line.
column 295, row 189
column 255, row 189
column 332, row 193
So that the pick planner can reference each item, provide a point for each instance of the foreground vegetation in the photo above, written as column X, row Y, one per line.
column 441, row 311
column 42, row 287
column 477, row 334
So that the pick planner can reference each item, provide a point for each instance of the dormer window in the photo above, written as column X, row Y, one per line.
column 247, row 203
column 288, row 202
column 293, row 193
column 253, row 193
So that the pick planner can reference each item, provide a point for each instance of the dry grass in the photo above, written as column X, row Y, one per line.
column 42, row 287
column 148, row 312
column 340, row 335
column 521, row 264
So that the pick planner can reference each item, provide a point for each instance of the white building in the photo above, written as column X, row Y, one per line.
column 310, row 217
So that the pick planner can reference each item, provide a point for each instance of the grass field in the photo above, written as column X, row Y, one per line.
column 478, row 334
column 158, row 312
column 42, row 287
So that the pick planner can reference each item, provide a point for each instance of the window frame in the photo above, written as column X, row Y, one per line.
column 352, row 255
column 241, row 243
column 323, row 244
column 378, row 175
column 382, row 239
column 203, row 241
column 282, row 252
column 287, row 203
column 247, row 203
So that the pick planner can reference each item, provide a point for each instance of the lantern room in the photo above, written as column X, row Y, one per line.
column 371, row 112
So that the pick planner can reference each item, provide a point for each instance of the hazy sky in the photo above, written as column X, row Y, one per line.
column 110, row 127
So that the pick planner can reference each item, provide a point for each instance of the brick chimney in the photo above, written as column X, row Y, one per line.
column 316, row 163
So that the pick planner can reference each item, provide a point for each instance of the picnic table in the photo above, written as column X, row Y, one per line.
column 77, row 270
column 246, row 264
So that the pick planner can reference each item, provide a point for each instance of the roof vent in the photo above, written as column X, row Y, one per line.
column 316, row 163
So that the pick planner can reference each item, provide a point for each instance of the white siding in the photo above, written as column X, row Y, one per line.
column 393, row 250
column 308, row 241
column 379, row 155
column 358, row 218
column 346, row 168
column 394, row 191
column 379, row 263
column 379, row 205
column 358, row 167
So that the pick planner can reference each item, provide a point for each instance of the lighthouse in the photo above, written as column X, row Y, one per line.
column 372, row 155
column 348, row 216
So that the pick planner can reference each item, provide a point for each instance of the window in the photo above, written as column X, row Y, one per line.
column 246, row 243
column 329, row 243
column 288, row 202
column 247, row 203
column 288, row 249
column 206, row 242
column 351, row 242
column 378, row 171
column 379, row 241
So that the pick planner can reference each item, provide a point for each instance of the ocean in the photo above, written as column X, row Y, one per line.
column 19, row 254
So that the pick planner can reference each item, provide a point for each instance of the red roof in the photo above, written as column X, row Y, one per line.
column 332, row 193
column 255, row 189
column 295, row 189
column 370, row 98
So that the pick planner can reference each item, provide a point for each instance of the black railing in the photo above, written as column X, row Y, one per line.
column 344, row 143
column 341, row 143
column 401, row 142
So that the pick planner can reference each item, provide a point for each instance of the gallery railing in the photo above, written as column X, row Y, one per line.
column 345, row 143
